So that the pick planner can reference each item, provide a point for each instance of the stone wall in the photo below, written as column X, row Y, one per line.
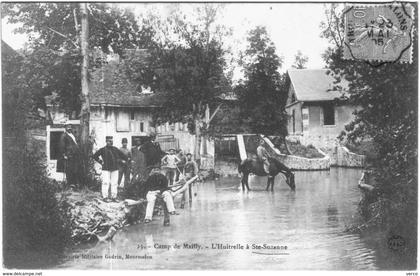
column 346, row 158
column 297, row 162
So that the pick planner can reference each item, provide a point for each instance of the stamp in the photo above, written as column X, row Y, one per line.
column 381, row 32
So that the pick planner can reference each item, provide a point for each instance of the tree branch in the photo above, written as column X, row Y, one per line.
column 214, row 114
column 60, row 34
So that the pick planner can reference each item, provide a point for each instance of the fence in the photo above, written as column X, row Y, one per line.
column 167, row 142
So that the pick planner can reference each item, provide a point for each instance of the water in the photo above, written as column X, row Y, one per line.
column 309, row 221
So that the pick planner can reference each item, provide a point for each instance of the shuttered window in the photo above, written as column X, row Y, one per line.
column 123, row 121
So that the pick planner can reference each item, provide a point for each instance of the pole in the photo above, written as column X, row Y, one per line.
column 85, row 110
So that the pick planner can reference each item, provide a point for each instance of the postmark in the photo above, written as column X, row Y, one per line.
column 396, row 243
column 379, row 32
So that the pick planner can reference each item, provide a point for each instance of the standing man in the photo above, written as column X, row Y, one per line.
column 110, row 157
column 171, row 161
column 69, row 161
column 152, row 152
column 190, row 168
column 138, row 162
column 180, row 164
column 124, row 169
column 263, row 156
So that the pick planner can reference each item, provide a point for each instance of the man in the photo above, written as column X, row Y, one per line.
column 157, row 184
column 111, row 156
column 152, row 152
column 124, row 169
column 138, row 161
column 190, row 168
column 69, row 161
column 171, row 161
column 180, row 164
column 263, row 156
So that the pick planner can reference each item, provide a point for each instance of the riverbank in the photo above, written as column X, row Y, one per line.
column 90, row 216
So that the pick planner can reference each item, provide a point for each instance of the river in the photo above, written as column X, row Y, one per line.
column 304, row 230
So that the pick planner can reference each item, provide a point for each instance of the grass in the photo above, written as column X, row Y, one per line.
column 309, row 151
column 296, row 148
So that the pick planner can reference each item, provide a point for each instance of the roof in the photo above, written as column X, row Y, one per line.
column 312, row 85
column 110, row 85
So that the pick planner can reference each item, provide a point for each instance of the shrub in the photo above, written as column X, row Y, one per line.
column 33, row 219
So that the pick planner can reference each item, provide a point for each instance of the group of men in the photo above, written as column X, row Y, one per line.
column 143, row 162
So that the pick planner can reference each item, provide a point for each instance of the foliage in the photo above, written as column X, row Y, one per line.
column 300, row 61
column 387, row 94
column 34, row 220
column 228, row 121
column 53, row 55
column 262, row 95
column 186, row 63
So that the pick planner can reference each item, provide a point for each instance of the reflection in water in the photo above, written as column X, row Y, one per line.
column 309, row 221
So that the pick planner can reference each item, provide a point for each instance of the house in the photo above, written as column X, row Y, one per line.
column 317, row 114
column 120, row 109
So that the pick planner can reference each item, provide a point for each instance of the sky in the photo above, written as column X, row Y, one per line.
column 291, row 26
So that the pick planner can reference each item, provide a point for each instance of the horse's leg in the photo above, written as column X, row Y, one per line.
column 272, row 183
column 268, row 183
column 245, row 182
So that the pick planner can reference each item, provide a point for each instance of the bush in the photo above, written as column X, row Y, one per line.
column 33, row 219
column 296, row 148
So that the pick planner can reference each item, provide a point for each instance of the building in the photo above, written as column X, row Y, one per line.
column 317, row 114
column 119, row 109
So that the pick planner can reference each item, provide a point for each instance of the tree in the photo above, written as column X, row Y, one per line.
column 387, row 94
column 54, row 30
column 300, row 61
column 262, row 95
column 186, row 64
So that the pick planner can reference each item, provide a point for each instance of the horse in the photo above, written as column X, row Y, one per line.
column 248, row 166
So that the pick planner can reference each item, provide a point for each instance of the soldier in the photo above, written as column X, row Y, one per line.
column 124, row 169
column 111, row 156
column 69, row 161
column 263, row 156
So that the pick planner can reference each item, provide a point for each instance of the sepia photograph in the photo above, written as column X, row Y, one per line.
column 209, row 136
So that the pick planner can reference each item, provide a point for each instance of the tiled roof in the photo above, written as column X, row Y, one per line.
column 314, row 85
column 110, row 85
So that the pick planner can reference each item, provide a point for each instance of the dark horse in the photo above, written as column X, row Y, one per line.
column 248, row 166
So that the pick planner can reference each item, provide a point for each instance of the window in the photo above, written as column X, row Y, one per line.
column 123, row 123
column 141, row 126
column 293, row 120
column 106, row 113
column 132, row 115
column 329, row 116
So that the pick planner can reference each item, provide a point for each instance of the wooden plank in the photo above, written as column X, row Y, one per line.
column 241, row 146
column 270, row 144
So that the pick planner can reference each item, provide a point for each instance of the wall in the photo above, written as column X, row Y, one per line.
column 349, row 159
column 297, row 107
column 320, row 135
column 103, row 127
column 297, row 162
column 186, row 142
